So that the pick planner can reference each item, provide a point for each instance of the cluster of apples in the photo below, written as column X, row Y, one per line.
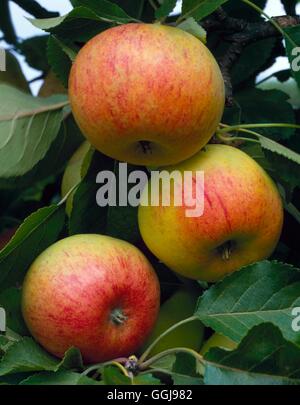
column 151, row 95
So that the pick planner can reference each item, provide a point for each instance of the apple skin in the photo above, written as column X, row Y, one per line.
column 147, row 94
column 217, row 340
column 72, row 174
column 180, row 306
column 243, row 215
column 73, row 291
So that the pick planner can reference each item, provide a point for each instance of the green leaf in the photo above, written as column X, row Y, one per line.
column 86, row 215
column 34, row 50
column 26, row 356
column 67, row 21
column 5, row 344
column 28, row 126
column 107, row 10
column 81, row 24
column 49, row 24
column 262, row 292
column 113, row 376
column 263, row 357
column 292, row 53
column 72, row 360
column 191, row 26
column 65, row 144
column 252, row 60
column 200, row 8
column 10, row 300
column 67, row 49
column 184, row 371
column 267, row 106
column 284, row 163
column 38, row 231
column 140, row 9
column 122, row 221
column 59, row 378
column 165, row 9
column 275, row 147
column 59, row 60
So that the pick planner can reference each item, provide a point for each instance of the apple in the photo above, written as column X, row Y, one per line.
column 241, row 222
column 180, row 306
column 217, row 340
column 147, row 94
column 93, row 292
column 72, row 174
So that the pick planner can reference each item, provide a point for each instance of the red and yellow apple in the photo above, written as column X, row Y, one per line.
column 147, row 94
column 241, row 222
column 93, row 292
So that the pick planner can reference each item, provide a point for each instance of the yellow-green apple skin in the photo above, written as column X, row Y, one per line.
column 180, row 306
column 147, row 94
column 72, row 174
column 217, row 340
column 241, row 222
column 92, row 292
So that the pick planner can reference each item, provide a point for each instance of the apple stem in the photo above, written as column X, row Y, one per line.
column 148, row 350
column 147, row 364
column 116, row 362
column 229, row 128
column 117, row 316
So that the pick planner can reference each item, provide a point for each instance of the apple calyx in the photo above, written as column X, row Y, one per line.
column 132, row 365
column 226, row 250
column 117, row 316
column 146, row 147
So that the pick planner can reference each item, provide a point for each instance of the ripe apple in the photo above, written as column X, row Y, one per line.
column 72, row 174
column 177, row 308
column 147, row 94
column 241, row 222
column 217, row 340
column 93, row 292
